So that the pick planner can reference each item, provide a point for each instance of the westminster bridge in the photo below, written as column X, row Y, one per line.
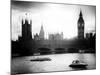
column 51, row 46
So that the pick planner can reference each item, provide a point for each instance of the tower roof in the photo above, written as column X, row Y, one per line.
column 41, row 34
column 80, row 13
column 41, row 30
column 41, row 27
column 81, row 20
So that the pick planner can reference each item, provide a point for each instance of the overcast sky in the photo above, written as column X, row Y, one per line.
column 55, row 18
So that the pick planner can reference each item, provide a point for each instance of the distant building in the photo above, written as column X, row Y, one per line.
column 80, row 26
column 56, row 36
column 26, row 30
column 36, row 37
column 89, row 35
column 41, row 34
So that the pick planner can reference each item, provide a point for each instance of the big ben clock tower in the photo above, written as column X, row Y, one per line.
column 81, row 26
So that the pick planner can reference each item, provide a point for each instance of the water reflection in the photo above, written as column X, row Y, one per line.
column 59, row 62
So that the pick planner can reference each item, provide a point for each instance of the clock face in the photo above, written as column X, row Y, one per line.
column 81, row 24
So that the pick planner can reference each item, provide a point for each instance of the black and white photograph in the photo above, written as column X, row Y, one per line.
column 52, row 37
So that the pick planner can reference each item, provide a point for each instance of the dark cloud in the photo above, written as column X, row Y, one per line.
column 26, row 5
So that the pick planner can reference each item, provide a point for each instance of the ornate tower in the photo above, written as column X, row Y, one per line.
column 26, row 29
column 80, row 26
column 41, row 34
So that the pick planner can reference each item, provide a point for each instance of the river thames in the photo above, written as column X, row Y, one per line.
column 58, row 62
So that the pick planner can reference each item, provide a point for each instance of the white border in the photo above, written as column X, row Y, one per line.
column 5, row 36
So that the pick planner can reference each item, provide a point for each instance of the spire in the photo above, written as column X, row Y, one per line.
column 80, row 20
column 42, row 30
column 41, row 34
column 80, row 13
column 41, row 27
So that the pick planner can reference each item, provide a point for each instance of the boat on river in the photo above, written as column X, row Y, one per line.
column 78, row 64
column 41, row 59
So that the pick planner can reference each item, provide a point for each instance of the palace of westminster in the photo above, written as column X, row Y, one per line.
column 27, row 31
column 28, row 45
